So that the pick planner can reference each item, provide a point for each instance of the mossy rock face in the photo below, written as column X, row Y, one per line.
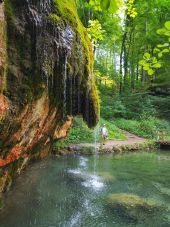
column 132, row 206
column 48, row 48
column 48, row 75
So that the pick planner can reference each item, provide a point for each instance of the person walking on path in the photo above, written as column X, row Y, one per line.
column 104, row 134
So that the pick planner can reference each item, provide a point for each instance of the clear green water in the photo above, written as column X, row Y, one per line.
column 68, row 191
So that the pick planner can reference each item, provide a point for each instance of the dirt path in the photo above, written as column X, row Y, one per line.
column 131, row 140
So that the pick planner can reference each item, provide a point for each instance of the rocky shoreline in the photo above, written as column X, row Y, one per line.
column 115, row 149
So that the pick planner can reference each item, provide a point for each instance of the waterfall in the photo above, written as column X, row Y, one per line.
column 96, row 139
column 71, row 94
column 96, row 146
column 50, row 53
column 87, row 106
column 65, row 87
column 67, row 36
column 79, row 96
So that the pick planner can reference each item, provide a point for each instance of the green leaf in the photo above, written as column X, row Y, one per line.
column 113, row 6
column 157, row 65
column 147, row 55
column 92, row 3
column 150, row 72
column 160, row 55
column 105, row 4
column 154, row 60
column 156, row 50
column 160, row 45
column 142, row 62
column 167, row 25
column 167, row 33
column 166, row 44
column 146, row 67
column 165, row 51
column 161, row 31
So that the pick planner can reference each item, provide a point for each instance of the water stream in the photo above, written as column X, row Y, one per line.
column 96, row 146
column 65, row 192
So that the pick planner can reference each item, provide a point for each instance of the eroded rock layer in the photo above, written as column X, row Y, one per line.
column 45, row 78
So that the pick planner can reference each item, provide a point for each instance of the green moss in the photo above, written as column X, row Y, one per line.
column 95, row 99
column 58, row 146
column 65, row 13
column 54, row 17
column 133, row 206
column 130, row 200
column 68, row 12
column 9, row 8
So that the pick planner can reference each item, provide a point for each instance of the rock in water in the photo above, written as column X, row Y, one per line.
column 46, row 78
column 132, row 206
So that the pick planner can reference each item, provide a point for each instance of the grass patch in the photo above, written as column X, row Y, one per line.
column 114, row 132
column 80, row 133
column 147, row 128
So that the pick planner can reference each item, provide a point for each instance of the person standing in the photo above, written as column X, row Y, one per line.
column 104, row 133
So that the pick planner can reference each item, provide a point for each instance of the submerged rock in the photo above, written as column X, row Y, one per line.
column 107, row 176
column 132, row 206
column 46, row 76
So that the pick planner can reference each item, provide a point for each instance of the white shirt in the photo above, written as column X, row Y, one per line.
column 104, row 131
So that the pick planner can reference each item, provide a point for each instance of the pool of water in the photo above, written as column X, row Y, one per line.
column 92, row 191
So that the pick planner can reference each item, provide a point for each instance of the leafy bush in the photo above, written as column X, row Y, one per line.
column 80, row 133
column 161, row 105
column 137, row 105
column 128, row 106
column 120, row 109
column 145, row 127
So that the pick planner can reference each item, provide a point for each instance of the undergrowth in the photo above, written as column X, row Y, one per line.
column 145, row 127
column 80, row 133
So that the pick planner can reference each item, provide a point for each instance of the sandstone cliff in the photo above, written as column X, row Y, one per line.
column 45, row 79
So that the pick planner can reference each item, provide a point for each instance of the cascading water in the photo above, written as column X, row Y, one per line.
column 68, row 38
column 51, row 50
column 96, row 139
column 51, row 53
column 79, row 96
column 71, row 94
column 65, row 87
column 58, row 64
column 96, row 146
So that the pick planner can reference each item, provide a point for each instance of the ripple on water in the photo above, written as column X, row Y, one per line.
column 83, row 162
column 92, row 181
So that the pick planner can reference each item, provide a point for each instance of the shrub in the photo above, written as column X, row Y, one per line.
column 80, row 133
column 145, row 127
